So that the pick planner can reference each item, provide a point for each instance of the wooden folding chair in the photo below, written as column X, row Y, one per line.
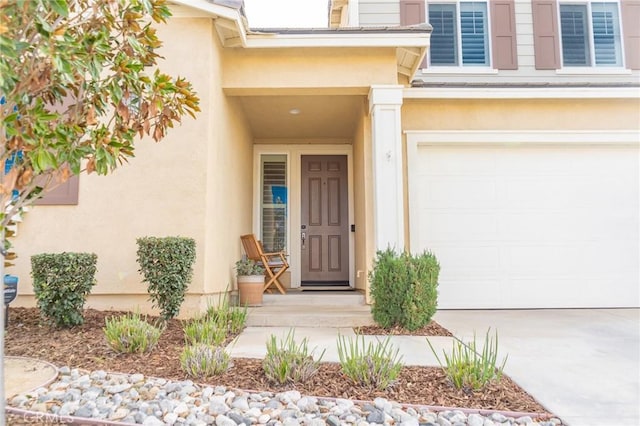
column 274, row 264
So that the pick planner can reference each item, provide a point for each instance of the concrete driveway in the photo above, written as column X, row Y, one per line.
column 582, row 364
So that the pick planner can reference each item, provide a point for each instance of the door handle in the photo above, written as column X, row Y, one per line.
column 304, row 238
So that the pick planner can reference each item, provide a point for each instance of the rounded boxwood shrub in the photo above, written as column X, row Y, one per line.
column 404, row 288
column 167, row 266
column 62, row 282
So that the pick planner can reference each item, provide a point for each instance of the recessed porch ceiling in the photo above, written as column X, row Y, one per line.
column 321, row 118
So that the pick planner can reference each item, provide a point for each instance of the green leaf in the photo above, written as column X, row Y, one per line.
column 45, row 160
column 60, row 7
column 43, row 26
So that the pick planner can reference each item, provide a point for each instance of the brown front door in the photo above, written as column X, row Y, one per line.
column 324, row 229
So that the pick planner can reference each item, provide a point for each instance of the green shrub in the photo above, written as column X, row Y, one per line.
column 404, row 289
column 201, row 360
column 61, row 282
column 372, row 366
column 205, row 330
column 131, row 334
column 167, row 267
column 468, row 368
column 288, row 362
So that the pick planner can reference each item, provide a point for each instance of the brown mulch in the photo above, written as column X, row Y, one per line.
column 431, row 329
column 85, row 347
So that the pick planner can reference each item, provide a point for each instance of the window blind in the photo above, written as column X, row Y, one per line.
column 573, row 27
column 274, row 202
column 442, row 18
column 606, row 34
column 473, row 30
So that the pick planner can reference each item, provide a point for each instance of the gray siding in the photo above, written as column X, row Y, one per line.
column 387, row 13
column 379, row 13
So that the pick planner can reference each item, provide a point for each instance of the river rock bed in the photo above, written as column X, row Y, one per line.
column 136, row 399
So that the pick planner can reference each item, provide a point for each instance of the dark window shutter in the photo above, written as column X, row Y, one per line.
column 631, row 32
column 63, row 194
column 503, row 34
column 545, row 34
column 412, row 13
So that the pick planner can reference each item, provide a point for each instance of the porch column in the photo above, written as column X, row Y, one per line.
column 386, row 137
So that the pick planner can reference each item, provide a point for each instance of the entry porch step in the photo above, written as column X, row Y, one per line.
column 311, row 309
column 315, row 298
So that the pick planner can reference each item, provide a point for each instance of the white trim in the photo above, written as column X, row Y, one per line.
column 293, row 153
column 385, row 95
column 467, row 69
column 209, row 8
column 522, row 93
column 354, row 13
column 516, row 137
column 594, row 70
column 337, row 39
column 388, row 169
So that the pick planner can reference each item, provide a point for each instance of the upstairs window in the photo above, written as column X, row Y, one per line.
column 460, row 34
column 590, row 34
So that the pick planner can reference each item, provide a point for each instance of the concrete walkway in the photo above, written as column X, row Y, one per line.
column 582, row 364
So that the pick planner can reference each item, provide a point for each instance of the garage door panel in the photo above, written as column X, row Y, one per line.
column 448, row 225
column 465, row 262
column 466, row 295
column 566, row 226
column 575, row 192
column 445, row 225
column 457, row 192
column 530, row 226
column 550, row 292
column 444, row 162
column 546, row 261
column 550, row 192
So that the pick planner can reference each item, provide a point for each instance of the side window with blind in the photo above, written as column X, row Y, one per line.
column 273, row 201
column 460, row 36
column 590, row 34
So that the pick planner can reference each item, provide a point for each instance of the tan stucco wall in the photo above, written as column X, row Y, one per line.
column 291, row 71
column 229, row 194
column 537, row 114
column 363, row 203
column 194, row 184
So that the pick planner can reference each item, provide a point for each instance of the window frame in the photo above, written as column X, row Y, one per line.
column 592, row 65
column 461, row 66
column 261, row 205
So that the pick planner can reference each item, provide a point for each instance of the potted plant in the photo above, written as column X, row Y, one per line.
column 250, row 276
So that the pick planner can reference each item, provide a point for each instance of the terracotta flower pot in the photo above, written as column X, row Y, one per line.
column 250, row 289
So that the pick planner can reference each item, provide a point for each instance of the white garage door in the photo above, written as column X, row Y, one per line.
column 529, row 227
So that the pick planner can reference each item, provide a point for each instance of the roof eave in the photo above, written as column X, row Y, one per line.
column 410, row 42
column 229, row 20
